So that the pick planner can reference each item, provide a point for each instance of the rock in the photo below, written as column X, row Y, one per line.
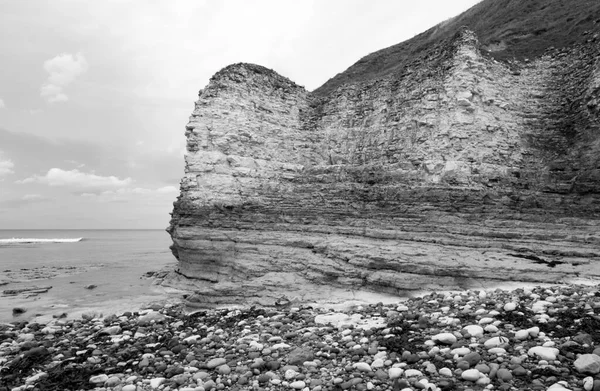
column 112, row 381
column 216, row 362
column 544, row 353
column 445, row 338
column 395, row 373
column 588, row 383
column 474, row 330
column 298, row 385
column 150, row 317
column 472, row 358
column 471, row 375
column 99, row 379
column 411, row 373
column 560, row 386
column 299, row 355
column 224, row 369
column 495, row 341
column 362, row 367
column 504, row 374
column 522, row 335
column 587, row 363
column 263, row 154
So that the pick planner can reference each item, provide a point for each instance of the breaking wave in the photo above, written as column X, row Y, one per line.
column 38, row 240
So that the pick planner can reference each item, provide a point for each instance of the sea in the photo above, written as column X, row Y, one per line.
column 86, row 270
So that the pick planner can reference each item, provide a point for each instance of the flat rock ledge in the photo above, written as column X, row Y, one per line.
column 542, row 338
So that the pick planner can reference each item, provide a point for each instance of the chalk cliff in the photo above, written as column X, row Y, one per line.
column 455, row 170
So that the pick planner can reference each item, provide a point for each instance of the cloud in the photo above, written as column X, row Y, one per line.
column 6, row 166
column 63, row 70
column 2, row 105
column 167, row 189
column 27, row 199
column 76, row 178
column 139, row 195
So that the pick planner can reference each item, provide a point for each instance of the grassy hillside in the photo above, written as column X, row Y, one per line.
column 507, row 29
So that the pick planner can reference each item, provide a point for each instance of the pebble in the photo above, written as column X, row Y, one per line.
column 445, row 338
column 395, row 373
column 587, row 363
column 495, row 341
column 438, row 342
column 474, row 330
column 298, row 385
column 471, row 375
column 504, row 374
column 544, row 353
column 99, row 379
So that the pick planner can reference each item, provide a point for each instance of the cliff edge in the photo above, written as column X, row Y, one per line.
column 455, row 170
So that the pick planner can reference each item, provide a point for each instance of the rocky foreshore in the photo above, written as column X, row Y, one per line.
column 526, row 339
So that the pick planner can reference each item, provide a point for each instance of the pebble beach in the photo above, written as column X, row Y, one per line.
column 542, row 338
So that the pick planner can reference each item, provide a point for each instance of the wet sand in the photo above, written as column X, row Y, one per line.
column 100, row 289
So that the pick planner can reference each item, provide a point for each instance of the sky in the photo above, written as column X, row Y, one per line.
column 95, row 95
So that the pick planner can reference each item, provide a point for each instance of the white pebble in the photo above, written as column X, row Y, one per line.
column 471, row 375
column 460, row 351
column 486, row 320
column 588, row 383
column 522, row 335
column 298, row 385
column 377, row 363
column 447, row 372
column 395, row 373
column 495, row 341
column 545, row 353
column 445, row 338
column 474, row 330
column 362, row 366
column 510, row 307
column 156, row 382
column 490, row 328
column 412, row 373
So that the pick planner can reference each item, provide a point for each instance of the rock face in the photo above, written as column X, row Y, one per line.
column 457, row 171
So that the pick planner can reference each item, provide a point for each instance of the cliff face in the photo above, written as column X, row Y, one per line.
column 453, row 172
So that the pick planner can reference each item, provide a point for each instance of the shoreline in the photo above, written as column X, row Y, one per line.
column 541, row 338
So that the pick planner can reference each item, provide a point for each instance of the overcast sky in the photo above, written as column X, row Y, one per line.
column 95, row 95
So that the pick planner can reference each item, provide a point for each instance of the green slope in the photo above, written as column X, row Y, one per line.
column 507, row 29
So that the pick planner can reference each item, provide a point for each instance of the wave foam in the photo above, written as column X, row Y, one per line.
column 38, row 240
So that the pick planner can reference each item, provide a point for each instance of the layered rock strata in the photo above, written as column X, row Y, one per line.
column 458, row 171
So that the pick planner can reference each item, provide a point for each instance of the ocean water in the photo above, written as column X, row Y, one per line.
column 114, row 261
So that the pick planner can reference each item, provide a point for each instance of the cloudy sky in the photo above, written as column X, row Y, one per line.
column 95, row 95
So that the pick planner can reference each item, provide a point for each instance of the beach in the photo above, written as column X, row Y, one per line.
column 543, row 338
column 99, row 321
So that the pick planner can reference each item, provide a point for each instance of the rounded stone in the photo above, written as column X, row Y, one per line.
column 471, row 375
column 298, row 385
column 444, row 338
column 544, row 353
column 588, row 363
column 472, row 358
column 504, row 374
column 395, row 373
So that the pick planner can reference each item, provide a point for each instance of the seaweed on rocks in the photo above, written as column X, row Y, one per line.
column 65, row 376
column 573, row 322
column 34, row 358
column 402, row 338
column 521, row 317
